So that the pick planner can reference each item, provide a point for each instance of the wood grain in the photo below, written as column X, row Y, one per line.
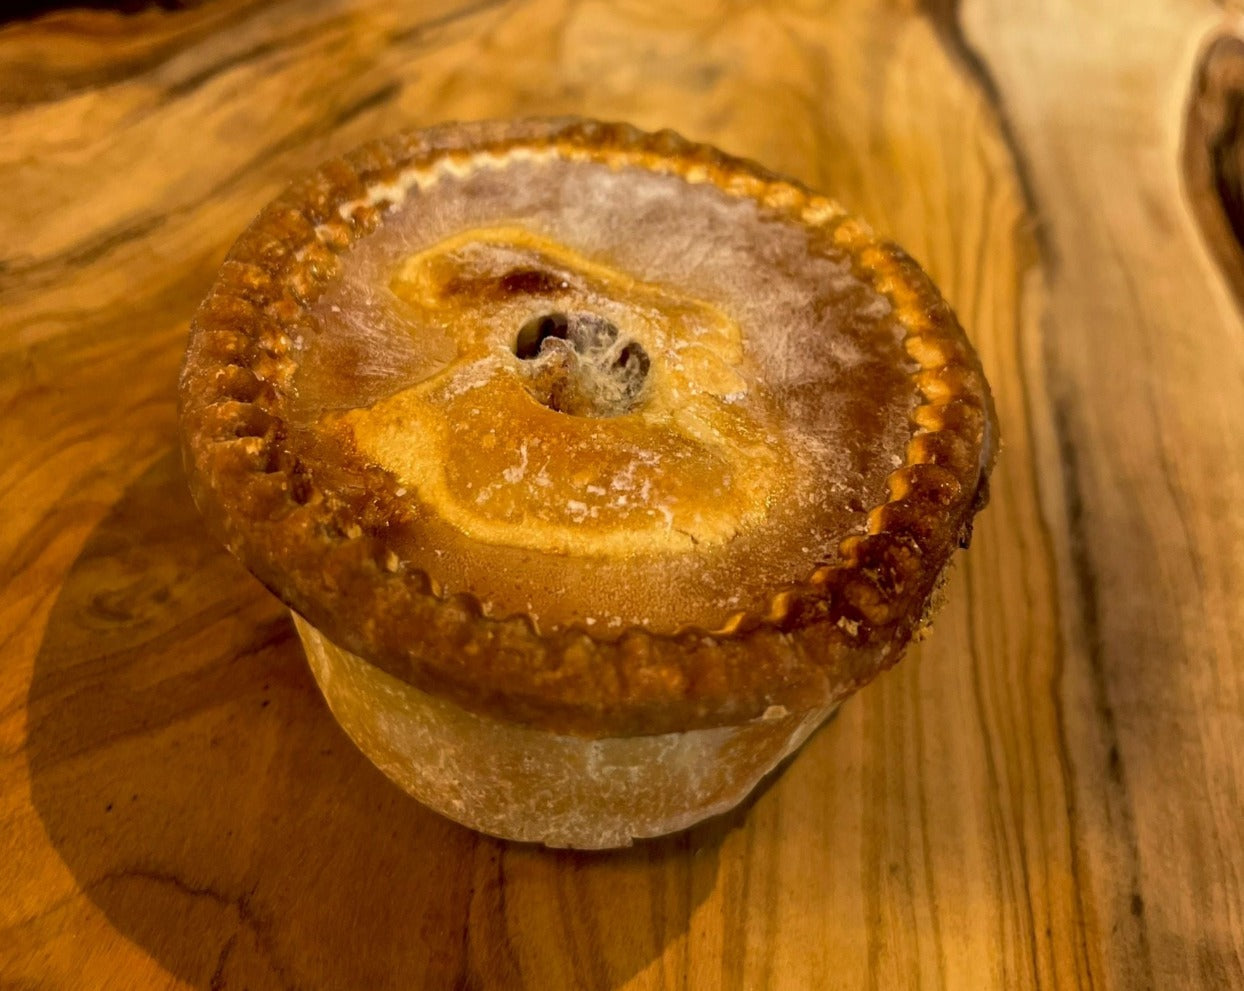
column 1049, row 792
column 1213, row 152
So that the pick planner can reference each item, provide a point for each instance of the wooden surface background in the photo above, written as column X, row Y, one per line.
column 1048, row 793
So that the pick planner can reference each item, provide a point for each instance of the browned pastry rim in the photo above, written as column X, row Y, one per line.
column 326, row 552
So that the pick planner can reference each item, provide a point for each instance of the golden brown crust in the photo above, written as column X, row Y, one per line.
column 324, row 542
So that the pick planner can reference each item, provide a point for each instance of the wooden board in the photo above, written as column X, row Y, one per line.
column 1048, row 792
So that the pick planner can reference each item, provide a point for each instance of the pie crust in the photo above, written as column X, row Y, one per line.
column 353, row 493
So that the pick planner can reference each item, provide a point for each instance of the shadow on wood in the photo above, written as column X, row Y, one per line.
column 191, row 777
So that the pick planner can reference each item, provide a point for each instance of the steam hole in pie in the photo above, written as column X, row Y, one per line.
column 536, row 331
column 578, row 363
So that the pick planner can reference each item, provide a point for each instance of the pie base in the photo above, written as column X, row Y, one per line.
column 522, row 783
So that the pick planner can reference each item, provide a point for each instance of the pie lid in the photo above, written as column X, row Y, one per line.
column 599, row 430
